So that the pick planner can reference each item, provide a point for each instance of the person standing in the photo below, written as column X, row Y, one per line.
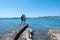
column 23, row 18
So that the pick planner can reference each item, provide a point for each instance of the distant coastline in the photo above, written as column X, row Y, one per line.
column 35, row 17
column 50, row 17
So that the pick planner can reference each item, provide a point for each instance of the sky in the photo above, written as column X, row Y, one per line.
column 31, row 8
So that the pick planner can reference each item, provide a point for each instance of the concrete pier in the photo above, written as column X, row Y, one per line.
column 16, row 33
column 26, row 35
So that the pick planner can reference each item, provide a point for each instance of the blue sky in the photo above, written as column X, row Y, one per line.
column 31, row 8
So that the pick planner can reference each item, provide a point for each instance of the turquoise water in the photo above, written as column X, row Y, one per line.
column 8, row 24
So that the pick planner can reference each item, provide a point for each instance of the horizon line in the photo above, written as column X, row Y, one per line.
column 30, row 17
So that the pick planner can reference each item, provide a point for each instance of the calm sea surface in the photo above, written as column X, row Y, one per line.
column 8, row 24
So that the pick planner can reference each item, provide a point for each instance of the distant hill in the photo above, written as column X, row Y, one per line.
column 50, row 17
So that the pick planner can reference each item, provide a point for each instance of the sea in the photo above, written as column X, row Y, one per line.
column 37, row 24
